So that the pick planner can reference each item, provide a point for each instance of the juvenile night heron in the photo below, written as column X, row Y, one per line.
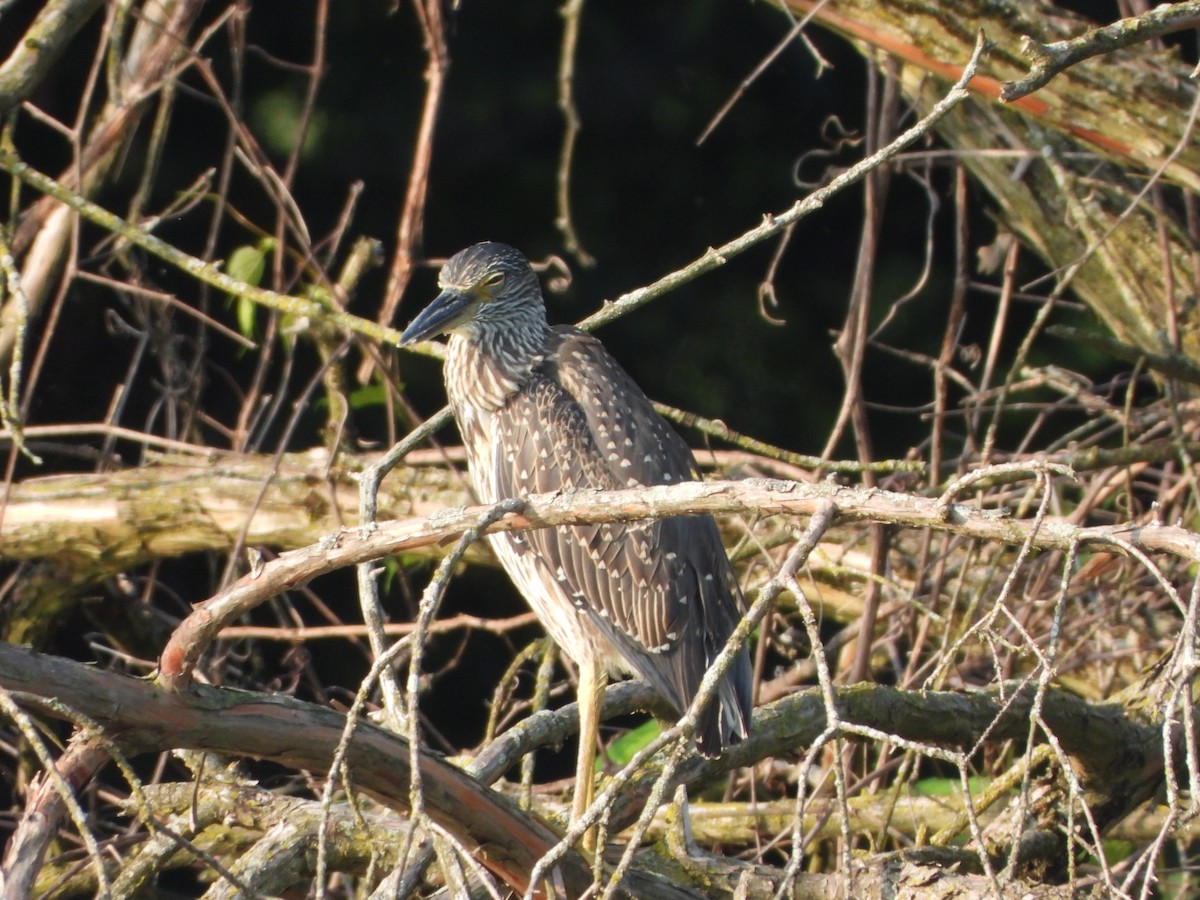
column 544, row 410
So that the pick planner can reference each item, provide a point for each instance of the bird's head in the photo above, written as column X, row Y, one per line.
column 487, row 288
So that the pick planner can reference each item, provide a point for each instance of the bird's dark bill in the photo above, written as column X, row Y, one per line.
column 448, row 309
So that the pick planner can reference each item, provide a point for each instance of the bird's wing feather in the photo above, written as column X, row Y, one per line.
column 610, row 570
column 639, row 447
column 647, row 587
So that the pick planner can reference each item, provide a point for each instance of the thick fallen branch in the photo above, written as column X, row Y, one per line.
column 757, row 496
column 89, row 527
column 141, row 718
column 1118, row 753
column 1114, row 751
column 204, row 502
column 1038, row 156
column 105, row 523
column 936, row 38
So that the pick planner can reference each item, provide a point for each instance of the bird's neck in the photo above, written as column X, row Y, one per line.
column 485, row 370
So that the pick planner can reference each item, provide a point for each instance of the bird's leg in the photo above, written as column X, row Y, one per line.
column 593, row 678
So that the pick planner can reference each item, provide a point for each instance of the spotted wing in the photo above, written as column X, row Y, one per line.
column 660, row 594
column 638, row 446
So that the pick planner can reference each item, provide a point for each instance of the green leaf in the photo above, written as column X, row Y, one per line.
column 622, row 750
column 246, row 310
column 1117, row 851
column 391, row 568
column 367, row 396
column 248, row 263
column 948, row 787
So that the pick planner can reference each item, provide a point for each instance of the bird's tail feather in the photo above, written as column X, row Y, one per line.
column 726, row 720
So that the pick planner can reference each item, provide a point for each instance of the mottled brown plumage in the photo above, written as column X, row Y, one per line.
column 546, row 409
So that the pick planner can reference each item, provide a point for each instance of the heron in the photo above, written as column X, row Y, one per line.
column 546, row 409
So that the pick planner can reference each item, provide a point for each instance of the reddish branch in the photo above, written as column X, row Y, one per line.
column 141, row 718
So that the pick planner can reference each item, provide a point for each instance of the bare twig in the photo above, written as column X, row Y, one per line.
column 571, row 12
column 774, row 224
column 197, row 268
column 412, row 217
column 1051, row 59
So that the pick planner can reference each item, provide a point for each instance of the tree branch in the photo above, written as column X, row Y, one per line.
column 774, row 224
column 42, row 44
column 1050, row 59
column 143, row 718
column 759, row 496
column 1118, row 755
column 208, row 273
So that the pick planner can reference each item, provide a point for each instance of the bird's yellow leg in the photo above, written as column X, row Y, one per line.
column 593, row 678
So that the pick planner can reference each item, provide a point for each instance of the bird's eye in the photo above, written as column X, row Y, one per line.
column 495, row 279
